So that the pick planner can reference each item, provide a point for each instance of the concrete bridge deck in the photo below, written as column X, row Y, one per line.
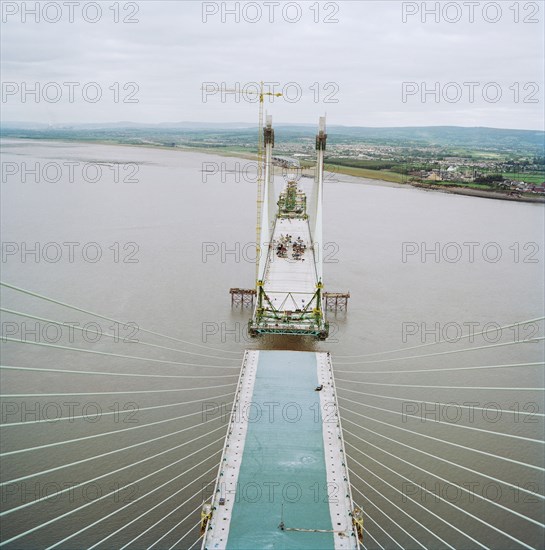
column 283, row 459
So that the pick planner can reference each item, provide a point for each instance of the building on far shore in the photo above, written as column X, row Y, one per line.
column 433, row 177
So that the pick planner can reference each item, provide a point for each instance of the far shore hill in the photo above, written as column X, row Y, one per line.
column 495, row 163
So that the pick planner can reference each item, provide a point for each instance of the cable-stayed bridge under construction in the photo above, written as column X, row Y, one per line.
column 251, row 452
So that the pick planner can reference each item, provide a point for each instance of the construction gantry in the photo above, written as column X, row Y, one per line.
column 289, row 286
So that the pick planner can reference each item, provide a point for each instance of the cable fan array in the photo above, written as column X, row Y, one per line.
column 173, row 471
column 400, row 464
column 429, row 480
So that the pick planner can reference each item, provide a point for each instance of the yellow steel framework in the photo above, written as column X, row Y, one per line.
column 261, row 95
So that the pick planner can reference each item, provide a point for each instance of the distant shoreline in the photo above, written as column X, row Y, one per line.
column 368, row 179
column 479, row 193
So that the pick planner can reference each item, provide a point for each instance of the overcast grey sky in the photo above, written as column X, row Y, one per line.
column 352, row 60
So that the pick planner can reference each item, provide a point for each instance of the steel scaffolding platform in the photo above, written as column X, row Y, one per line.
column 336, row 301
column 243, row 297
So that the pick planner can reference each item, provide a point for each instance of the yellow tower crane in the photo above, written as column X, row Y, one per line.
column 261, row 95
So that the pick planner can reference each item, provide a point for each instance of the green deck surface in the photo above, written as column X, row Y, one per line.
column 283, row 459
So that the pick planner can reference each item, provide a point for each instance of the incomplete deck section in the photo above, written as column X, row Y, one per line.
column 290, row 301
column 291, row 283
column 283, row 480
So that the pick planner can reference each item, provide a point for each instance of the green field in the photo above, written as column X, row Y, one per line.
column 521, row 176
column 366, row 173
